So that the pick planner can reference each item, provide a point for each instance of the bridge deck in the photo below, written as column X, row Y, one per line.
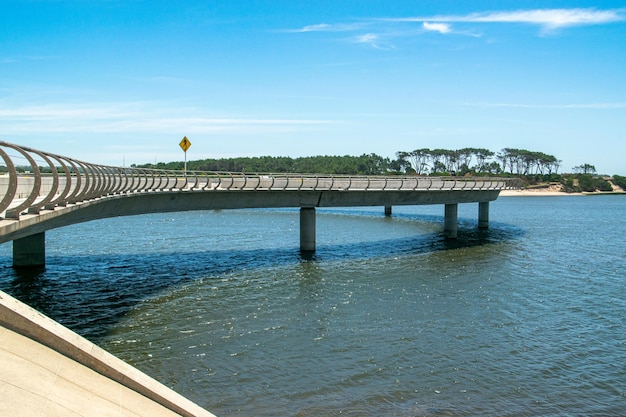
column 56, row 191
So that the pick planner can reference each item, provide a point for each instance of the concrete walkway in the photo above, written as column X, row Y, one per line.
column 48, row 371
column 37, row 381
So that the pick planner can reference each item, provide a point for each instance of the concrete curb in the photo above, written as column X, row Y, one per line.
column 24, row 320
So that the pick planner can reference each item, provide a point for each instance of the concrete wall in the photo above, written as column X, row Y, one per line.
column 22, row 319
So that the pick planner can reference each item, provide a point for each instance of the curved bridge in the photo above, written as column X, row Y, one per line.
column 40, row 191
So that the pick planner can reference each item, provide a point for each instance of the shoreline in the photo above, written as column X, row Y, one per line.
column 552, row 193
column 555, row 189
column 536, row 193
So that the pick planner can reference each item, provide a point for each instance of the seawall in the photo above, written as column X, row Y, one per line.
column 45, row 363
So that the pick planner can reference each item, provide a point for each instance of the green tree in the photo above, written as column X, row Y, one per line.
column 482, row 155
column 585, row 169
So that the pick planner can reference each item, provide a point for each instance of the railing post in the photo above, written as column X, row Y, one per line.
column 232, row 181
column 152, row 179
column 35, row 208
column 11, row 191
column 76, row 183
column 14, row 213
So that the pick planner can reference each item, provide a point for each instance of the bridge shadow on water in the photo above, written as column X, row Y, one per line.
column 91, row 293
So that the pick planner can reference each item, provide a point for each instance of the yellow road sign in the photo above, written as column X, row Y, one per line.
column 185, row 144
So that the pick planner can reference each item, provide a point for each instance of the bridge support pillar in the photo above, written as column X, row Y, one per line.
column 387, row 210
column 483, row 214
column 450, row 221
column 30, row 251
column 307, row 229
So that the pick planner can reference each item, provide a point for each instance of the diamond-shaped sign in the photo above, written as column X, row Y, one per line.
column 185, row 144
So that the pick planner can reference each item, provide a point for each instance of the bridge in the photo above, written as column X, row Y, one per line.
column 40, row 191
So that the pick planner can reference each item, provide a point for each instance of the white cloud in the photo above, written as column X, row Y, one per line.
column 134, row 117
column 546, row 18
column 374, row 41
column 552, row 18
column 324, row 27
column 316, row 28
column 380, row 33
column 437, row 27
column 368, row 38
column 598, row 106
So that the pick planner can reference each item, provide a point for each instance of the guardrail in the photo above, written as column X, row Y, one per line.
column 48, row 181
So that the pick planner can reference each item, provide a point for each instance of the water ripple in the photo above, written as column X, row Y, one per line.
column 386, row 318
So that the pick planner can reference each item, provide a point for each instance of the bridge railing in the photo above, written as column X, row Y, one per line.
column 33, row 180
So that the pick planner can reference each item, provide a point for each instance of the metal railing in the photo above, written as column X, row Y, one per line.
column 46, row 181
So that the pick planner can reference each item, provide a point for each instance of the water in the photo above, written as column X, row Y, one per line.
column 387, row 318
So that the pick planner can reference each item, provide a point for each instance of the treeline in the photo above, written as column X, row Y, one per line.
column 371, row 164
column 474, row 161
column 531, row 166
column 588, row 182
column 478, row 161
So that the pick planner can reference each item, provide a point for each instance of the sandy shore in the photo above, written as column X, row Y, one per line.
column 546, row 193
column 535, row 193
column 553, row 189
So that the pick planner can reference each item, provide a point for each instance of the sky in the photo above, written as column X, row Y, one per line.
column 122, row 82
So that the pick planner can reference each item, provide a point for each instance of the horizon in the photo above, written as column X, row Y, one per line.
column 121, row 83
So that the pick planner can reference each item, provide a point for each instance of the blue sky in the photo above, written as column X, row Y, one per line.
column 121, row 82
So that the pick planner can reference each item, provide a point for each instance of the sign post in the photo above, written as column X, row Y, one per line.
column 184, row 145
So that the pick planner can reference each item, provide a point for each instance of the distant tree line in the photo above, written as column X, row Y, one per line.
column 475, row 161
column 531, row 166
column 534, row 168
column 478, row 161
column 366, row 164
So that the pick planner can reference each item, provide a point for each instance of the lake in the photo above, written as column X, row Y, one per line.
column 386, row 318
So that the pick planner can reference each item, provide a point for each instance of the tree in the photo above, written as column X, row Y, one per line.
column 419, row 160
column 505, row 156
column 481, row 157
column 401, row 164
column 492, row 168
column 585, row 169
column 463, row 159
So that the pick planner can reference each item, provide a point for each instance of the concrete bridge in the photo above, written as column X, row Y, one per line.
column 40, row 191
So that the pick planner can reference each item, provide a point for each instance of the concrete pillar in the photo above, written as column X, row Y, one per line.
column 30, row 251
column 307, row 229
column 450, row 221
column 483, row 214
column 387, row 210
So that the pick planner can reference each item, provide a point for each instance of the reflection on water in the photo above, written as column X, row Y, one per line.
column 386, row 318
